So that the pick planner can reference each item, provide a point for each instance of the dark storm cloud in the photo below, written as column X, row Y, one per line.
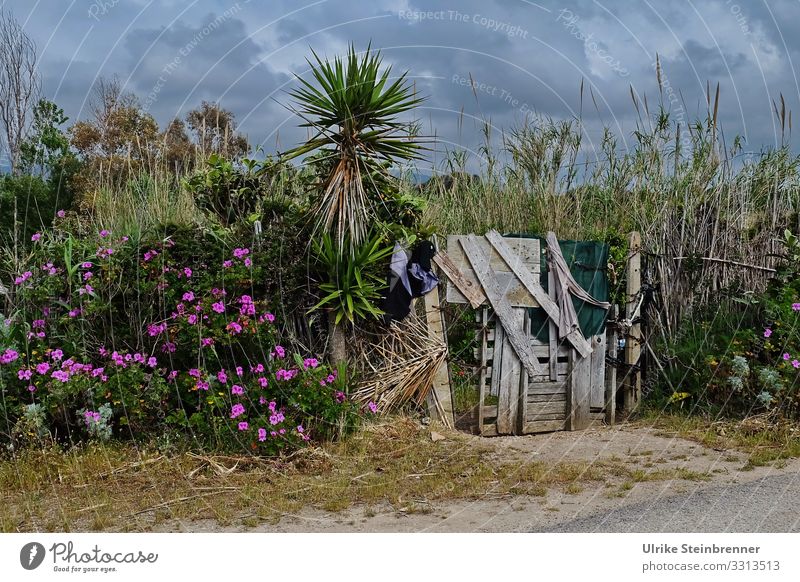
column 525, row 58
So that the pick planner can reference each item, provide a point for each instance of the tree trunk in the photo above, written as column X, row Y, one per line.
column 337, row 342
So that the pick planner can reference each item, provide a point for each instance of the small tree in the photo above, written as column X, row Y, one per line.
column 353, row 110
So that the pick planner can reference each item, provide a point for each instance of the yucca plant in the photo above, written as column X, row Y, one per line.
column 355, row 281
column 353, row 110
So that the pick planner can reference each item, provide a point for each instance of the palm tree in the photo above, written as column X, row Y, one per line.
column 357, row 137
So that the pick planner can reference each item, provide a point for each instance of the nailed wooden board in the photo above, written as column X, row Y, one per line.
column 459, row 289
column 578, row 394
column 504, row 311
column 541, row 352
column 441, row 378
column 512, row 288
column 544, row 426
column 531, row 284
column 511, row 377
column 597, row 396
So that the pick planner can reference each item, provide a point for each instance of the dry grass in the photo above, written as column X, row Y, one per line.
column 764, row 439
column 394, row 463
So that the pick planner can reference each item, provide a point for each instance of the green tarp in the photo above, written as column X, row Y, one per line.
column 587, row 261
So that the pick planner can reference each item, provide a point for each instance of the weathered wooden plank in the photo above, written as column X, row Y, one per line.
column 528, row 251
column 554, row 407
column 495, row 369
column 522, row 396
column 531, row 284
column 541, row 352
column 597, row 389
column 611, row 373
column 552, row 331
column 633, row 349
column 469, row 291
column 544, row 426
column 547, row 388
column 502, row 308
column 510, row 376
column 514, row 292
column 484, row 357
column 489, row 411
column 548, row 416
column 441, row 378
column 556, row 397
column 578, row 399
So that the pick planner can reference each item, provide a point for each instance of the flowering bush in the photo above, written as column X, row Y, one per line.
column 131, row 338
column 744, row 354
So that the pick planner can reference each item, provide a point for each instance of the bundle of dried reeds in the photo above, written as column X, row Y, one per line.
column 400, row 365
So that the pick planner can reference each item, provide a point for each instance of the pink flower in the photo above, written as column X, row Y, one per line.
column 187, row 271
column 239, row 371
column 104, row 233
column 42, row 368
column 258, row 369
column 222, row 377
column 31, row 388
column 767, row 332
column 234, row 328
column 188, row 296
column 150, row 255
column 192, row 319
column 248, row 262
column 60, row 375
column 263, row 382
column 786, row 356
column 237, row 390
column 796, row 363
column 795, row 306
column 24, row 374
column 300, row 428
column 169, row 347
column 61, row 214
column 22, row 278
column 339, row 396
column 218, row 307
column 373, row 408
column 87, row 265
column 237, row 410
column 36, row 237
column 279, row 351
column 262, row 434
column 172, row 375
column 243, row 426
column 152, row 362
column 87, row 275
column 310, row 363
column 202, row 385
column 269, row 317
column 227, row 264
column 206, row 341
column 9, row 356
column 239, row 253
column 56, row 354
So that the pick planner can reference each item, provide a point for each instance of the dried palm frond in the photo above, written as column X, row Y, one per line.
column 402, row 366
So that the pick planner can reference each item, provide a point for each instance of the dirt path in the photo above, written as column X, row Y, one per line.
column 642, row 458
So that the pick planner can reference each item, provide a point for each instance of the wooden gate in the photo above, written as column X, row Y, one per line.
column 526, row 385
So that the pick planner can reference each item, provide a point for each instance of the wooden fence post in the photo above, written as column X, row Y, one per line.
column 633, row 342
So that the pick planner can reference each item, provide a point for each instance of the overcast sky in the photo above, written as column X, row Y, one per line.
column 524, row 57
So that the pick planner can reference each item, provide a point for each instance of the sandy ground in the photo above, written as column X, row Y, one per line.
column 595, row 505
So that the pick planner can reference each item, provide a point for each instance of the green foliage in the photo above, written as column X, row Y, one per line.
column 353, row 111
column 743, row 355
column 229, row 191
column 354, row 282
